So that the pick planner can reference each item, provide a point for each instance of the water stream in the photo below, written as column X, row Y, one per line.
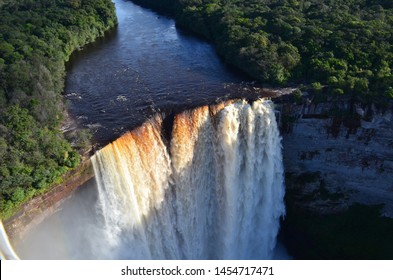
column 212, row 188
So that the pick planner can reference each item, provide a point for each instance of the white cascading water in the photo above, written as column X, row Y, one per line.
column 216, row 192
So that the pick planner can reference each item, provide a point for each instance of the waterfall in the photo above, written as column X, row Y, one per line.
column 214, row 190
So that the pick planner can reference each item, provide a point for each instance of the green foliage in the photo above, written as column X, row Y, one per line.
column 80, row 139
column 343, row 45
column 389, row 93
column 36, row 38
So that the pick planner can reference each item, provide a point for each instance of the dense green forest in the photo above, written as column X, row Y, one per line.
column 336, row 47
column 36, row 39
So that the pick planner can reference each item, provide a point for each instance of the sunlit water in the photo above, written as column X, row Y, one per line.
column 214, row 190
column 146, row 66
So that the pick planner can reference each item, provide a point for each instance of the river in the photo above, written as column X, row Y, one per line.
column 146, row 65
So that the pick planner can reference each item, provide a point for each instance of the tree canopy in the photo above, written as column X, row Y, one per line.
column 346, row 46
column 36, row 39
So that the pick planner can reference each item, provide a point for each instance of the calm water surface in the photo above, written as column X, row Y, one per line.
column 143, row 66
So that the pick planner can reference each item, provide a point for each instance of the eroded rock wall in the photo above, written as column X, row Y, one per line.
column 36, row 210
column 334, row 157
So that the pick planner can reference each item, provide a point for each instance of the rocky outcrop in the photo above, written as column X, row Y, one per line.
column 36, row 210
column 337, row 158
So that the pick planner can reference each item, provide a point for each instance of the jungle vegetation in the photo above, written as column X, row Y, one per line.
column 337, row 48
column 36, row 39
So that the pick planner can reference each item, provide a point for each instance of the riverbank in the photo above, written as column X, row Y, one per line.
column 337, row 141
column 338, row 185
column 34, row 152
column 33, row 212
column 281, row 43
column 329, row 155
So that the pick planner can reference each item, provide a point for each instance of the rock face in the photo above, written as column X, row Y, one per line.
column 36, row 210
column 335, row 156
column 336, row 160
